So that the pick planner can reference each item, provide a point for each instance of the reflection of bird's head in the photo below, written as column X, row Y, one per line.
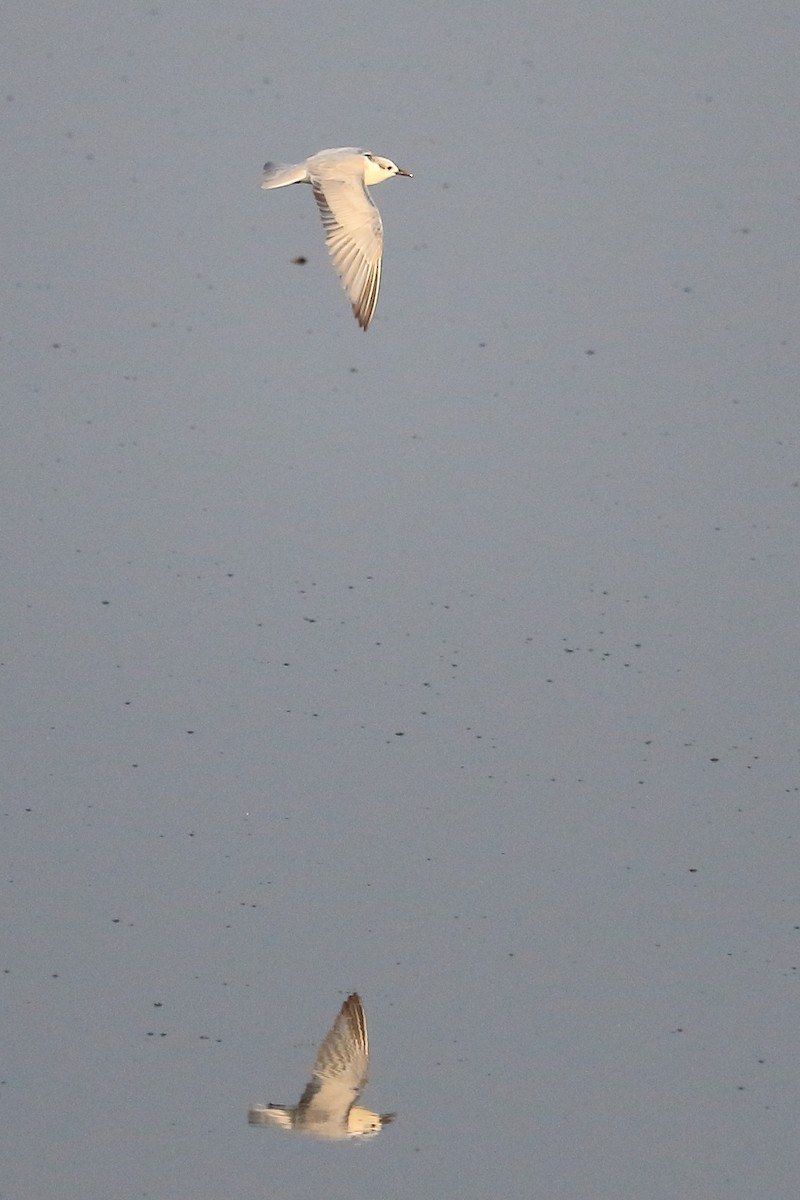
column 363, row 1123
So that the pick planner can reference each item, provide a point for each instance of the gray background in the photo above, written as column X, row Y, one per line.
column 456, row 662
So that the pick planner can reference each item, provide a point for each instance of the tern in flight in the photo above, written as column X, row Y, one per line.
column 353, row 226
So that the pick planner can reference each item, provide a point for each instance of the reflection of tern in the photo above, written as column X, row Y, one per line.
column 327, row 1107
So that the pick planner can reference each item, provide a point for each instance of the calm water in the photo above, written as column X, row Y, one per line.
column 456, row 663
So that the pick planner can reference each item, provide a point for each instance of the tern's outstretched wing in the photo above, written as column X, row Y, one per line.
column 340, row 1071
column 354, row 235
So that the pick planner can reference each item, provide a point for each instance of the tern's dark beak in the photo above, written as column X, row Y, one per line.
column 387, row 1118
column 407, row 174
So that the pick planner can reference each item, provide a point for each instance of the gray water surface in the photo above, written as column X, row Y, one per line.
column 455, row 663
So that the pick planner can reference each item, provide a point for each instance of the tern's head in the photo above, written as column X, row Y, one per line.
column 377, row 169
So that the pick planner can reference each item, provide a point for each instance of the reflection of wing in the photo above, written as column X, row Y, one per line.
column 354, row 236
column 340, row 1070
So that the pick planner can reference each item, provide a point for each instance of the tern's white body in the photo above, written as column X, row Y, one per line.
column 327, row 1108
column 353, row 226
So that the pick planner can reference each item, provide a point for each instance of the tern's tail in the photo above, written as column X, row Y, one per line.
column 279, row 175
